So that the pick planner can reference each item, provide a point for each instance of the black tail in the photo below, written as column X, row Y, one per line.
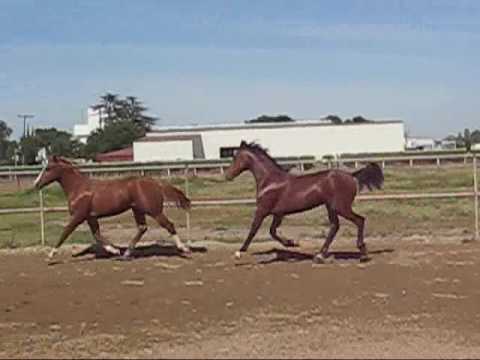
column 370, row 176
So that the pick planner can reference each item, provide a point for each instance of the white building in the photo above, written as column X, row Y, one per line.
column 426, row 144
column 300, row 138
column 419, row 143
column 82, row 131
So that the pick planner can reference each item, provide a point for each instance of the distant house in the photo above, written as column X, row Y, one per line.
column 426, row 144
column 419, row 143
column 115, row 156
column 446, row 144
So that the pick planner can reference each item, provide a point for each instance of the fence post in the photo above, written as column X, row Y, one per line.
column 475, row 192
column 42, row 218
column 187, row 213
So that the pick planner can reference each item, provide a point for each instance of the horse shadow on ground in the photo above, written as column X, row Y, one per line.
column 283, row 255
column 141, row 251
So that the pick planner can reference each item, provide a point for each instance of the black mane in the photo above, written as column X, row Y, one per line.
column 259, row 150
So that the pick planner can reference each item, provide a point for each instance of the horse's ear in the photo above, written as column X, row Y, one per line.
column 55, row 158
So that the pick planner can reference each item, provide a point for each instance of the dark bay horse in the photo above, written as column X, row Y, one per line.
column 280, row 193
column 89, row 200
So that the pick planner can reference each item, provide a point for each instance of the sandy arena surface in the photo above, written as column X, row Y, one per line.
column 417, row 297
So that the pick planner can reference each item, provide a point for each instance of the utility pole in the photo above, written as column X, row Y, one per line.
column 25, row 117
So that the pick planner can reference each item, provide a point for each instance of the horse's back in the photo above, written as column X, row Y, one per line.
column 118, row 195
column 333, row 184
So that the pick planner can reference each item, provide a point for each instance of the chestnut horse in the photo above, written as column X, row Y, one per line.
column 280, row 193
column 89, row 200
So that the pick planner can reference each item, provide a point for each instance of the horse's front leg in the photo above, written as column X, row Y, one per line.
column 95, row 229
column 257, row 222
column 76, row 220
column 277, row 221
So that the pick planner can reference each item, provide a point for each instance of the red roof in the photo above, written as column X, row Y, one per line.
column 117, row 155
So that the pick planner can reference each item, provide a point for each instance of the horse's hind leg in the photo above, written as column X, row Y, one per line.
column 359, row 221
column 168, row 225
column 277, row 220
column 141, row 229
column 334, row 226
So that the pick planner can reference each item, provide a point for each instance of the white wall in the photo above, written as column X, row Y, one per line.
column 171, row 150
column 290, row 141
column 82, row 131
column 314, row 140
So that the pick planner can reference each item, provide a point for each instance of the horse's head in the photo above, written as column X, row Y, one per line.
column 53, row 168
column 241, row 162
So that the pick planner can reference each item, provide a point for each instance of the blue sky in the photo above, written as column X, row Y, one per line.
column 226, row 61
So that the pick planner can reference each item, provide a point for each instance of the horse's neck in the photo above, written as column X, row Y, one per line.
column 264, row 172
column 73, row 182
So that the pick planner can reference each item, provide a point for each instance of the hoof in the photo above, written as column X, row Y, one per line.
column 238, row 255
column 364, row 258
column 321, row 259
column 184, row 249
column 52, row 253
column 112, row 250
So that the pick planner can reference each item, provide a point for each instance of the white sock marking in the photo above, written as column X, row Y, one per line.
column 52, row 253
column 111, row 249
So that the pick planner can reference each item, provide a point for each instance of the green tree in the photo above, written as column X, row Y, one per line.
column 29, row 146
column 113, row 136
column 5, row 132
column 467, row 139
column 132, row 109
column 124, row 122
column 113, row 109
column 460, row 142
column 107, row 108
column 360, row 119
column 475, row 137
column 270, row 119
column 57, row 142
column 334, row 119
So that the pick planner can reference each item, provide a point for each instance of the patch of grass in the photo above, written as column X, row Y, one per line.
column 25, row 198
column 21, row 230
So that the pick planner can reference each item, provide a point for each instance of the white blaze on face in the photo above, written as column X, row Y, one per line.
column 45, row 164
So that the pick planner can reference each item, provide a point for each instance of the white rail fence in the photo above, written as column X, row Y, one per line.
column 42, row 210
column 168, row 169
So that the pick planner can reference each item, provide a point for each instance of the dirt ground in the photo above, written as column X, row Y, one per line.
column 417, row 297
